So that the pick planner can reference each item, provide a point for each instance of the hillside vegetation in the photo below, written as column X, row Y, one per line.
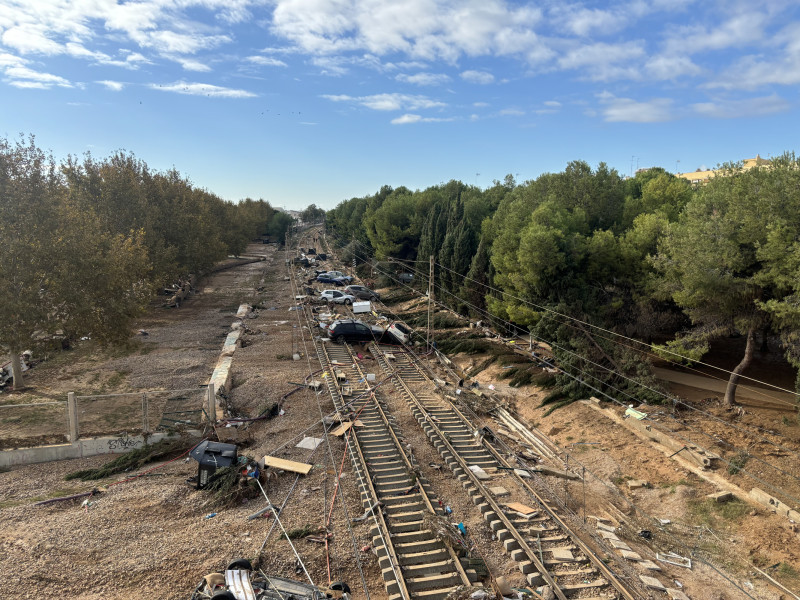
column 610, row 271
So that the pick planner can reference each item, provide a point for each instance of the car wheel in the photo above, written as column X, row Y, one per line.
column 339, row 339
column 223, row 596
column 347, row 301
column 340, row 586
column 240, row 563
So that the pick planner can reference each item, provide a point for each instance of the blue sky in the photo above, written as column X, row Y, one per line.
column 316, row 101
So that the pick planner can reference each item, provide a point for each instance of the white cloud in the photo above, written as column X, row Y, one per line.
column 671, row 67
column 411, row 118
column 749, row 107
column 21, row 76
column 583, row 21
column 480, row 77
column 9, row 60
column 389, row 101
column 552, row 103
column 266, row 61
column 114, row 86
column 190, row 64
column 631, row 111
column 202, row 89
column 602, row 61
column 420, row 29
column 735, row 32
column 423, row 78
column 511, row 112
column 480, row 104
column 29, row 38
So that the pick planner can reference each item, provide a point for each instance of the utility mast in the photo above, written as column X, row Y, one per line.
column 429, row 339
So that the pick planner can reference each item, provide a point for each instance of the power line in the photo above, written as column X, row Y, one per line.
column 658, row 392
column 546, row 309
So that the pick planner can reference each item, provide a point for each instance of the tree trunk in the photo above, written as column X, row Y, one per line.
column 733, row 382
column 16, row 370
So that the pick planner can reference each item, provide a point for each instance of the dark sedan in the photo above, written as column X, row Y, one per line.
column 352, row 330
column 335, row 277
column 362, row 293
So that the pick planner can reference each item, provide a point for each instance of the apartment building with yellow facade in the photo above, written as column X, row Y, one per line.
column 701, row 177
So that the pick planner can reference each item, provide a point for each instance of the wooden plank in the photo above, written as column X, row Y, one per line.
column 341, row 429
column 520, row 508
column 287, row 465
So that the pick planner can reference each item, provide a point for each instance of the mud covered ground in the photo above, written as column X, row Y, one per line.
column 150, row 537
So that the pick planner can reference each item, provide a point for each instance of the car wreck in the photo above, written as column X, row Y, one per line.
column 240, row 581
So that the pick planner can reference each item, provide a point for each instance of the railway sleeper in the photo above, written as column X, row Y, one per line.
column 434, row 582
column 425, row 542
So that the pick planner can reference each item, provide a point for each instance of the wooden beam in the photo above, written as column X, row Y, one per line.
column 287, row 465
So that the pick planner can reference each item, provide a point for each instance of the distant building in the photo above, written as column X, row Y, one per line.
column 701, row 177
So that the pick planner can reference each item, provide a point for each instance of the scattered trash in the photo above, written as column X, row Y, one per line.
column 210, row 515
column 646, row 534
column 674, row 559
column 367, row 513
column 631, row 412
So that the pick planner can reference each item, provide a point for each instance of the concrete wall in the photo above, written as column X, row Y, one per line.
column 118, row 444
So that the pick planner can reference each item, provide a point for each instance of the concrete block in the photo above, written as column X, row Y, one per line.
column 630, row 555
column 635, row 484
column 677, row 594
column 499, row 491
column 652, row 583
column 564, row 554
column 619, row 545
column 650, row 565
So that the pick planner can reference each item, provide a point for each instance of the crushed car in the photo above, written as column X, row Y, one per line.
column 239, row 581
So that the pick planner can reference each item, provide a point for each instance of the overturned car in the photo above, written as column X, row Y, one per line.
column 240, row 581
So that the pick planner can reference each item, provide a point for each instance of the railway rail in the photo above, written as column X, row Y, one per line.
column 414, row 562
column 548, row 551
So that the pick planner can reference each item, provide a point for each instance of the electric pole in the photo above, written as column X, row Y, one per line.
column 430, row 305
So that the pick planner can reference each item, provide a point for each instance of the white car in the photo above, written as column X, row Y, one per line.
column 401, row 332
column 337, row 297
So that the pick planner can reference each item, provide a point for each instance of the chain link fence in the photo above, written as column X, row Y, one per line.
column 28, row 425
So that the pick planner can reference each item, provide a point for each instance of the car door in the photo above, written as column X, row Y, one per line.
column 363, row 332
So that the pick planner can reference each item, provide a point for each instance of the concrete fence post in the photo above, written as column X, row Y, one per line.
column 211, row 403
column 145, row 420
column 72, row 417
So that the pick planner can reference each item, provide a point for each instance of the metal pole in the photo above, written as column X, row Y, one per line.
column 430, row 304
column 72, row 417
column 145, row 424
column 584, row 494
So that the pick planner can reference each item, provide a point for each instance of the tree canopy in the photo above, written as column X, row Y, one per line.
column 572, row 253
column 84, row 243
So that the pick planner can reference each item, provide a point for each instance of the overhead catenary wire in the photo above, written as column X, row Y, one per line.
column 711, row 565
column 741, row 469
column 585, row 373
column 636, row 507
column 672, row 398
column 609, row 331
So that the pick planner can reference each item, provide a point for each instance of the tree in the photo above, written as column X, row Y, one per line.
column 312, row 214
column 61, row 271
column 712, row 264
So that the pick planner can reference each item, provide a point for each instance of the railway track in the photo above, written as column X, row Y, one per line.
column 414, row 562
column 548, row 551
